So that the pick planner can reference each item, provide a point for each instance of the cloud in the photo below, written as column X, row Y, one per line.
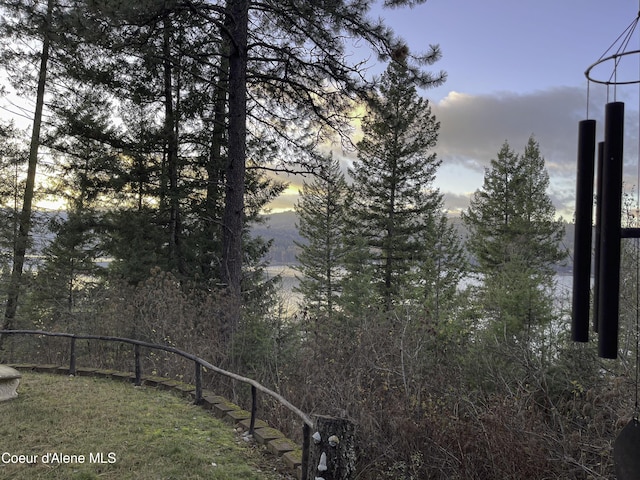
column 456, row 202
column 474, row 127
column 286, row 201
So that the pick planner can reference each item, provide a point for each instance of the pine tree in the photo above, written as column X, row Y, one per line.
column 293, row 46
column 233, row 70
column 442, row 267
column 394, row 200
column 321, row 223
column 12, row 156
column 515, row 239
column 69, row 269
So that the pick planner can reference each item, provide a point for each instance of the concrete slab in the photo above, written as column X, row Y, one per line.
column 293, row 459
column 246, row 423
column 221, row 409
column 235, row 416
column 9, row 381
column 209, row 400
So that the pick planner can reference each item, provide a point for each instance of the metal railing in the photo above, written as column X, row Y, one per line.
column 198, row 363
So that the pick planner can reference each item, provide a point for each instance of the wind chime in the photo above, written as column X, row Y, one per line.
column 608, row 162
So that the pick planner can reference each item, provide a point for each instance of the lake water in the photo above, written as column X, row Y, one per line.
column 564, row 283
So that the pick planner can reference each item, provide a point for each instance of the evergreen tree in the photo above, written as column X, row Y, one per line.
column 321, row 223
column 290, row 46
column 12, row 157
column 69, row 270
column 515, row 239
column 394, row 202
column 442, row 267
column 206, row 76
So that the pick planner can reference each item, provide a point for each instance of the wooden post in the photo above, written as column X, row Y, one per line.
column 72, row 357
column 198, row 399
column 254, row 409
column 332, row 453
column 138, row 368
column 306, row 440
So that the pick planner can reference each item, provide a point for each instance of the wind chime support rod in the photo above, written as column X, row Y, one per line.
column 630, row 233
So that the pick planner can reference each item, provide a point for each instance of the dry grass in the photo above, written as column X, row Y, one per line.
column 113, row 430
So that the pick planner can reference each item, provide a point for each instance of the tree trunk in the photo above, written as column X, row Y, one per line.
column 175, row 255
column 332, row 454
column 25, row 216
column 215, row 163
column 233, row 222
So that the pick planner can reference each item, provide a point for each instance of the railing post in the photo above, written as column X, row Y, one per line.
column 306, row 438
column 136, row 351
column 198, row 398
column 254, row 409
column 72, row 357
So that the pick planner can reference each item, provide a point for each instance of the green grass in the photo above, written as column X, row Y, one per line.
column 141, row 433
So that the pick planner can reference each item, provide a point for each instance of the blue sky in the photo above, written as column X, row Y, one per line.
column 515, row 68
column 496, row 46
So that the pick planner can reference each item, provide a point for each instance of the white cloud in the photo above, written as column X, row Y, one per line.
column 473, row 128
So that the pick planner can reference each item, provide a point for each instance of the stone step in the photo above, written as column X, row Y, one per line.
column 280, row 446
column 265, row 435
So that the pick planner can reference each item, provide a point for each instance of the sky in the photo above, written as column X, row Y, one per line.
column 516, row 69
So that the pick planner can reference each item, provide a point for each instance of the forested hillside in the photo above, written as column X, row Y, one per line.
column 281, row 229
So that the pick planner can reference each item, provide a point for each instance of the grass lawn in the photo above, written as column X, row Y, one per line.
column 81, row 428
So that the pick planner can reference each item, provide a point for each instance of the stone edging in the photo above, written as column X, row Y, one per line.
column 273, row 440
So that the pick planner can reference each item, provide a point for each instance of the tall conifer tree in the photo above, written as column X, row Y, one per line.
column 321, row 222
column 279, row 73
column 394, row 201
column 515, row 239
column 43, row 32
column 12, row 156
column 442, row 267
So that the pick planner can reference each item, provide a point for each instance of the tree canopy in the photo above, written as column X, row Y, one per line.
column 396, row 210
column 514, row 236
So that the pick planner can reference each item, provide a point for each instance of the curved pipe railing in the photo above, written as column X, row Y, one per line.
column 199, row 363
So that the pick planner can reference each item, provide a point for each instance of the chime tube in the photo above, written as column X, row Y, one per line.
column 582, row 243
column 609, row 275
column 597, row 232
